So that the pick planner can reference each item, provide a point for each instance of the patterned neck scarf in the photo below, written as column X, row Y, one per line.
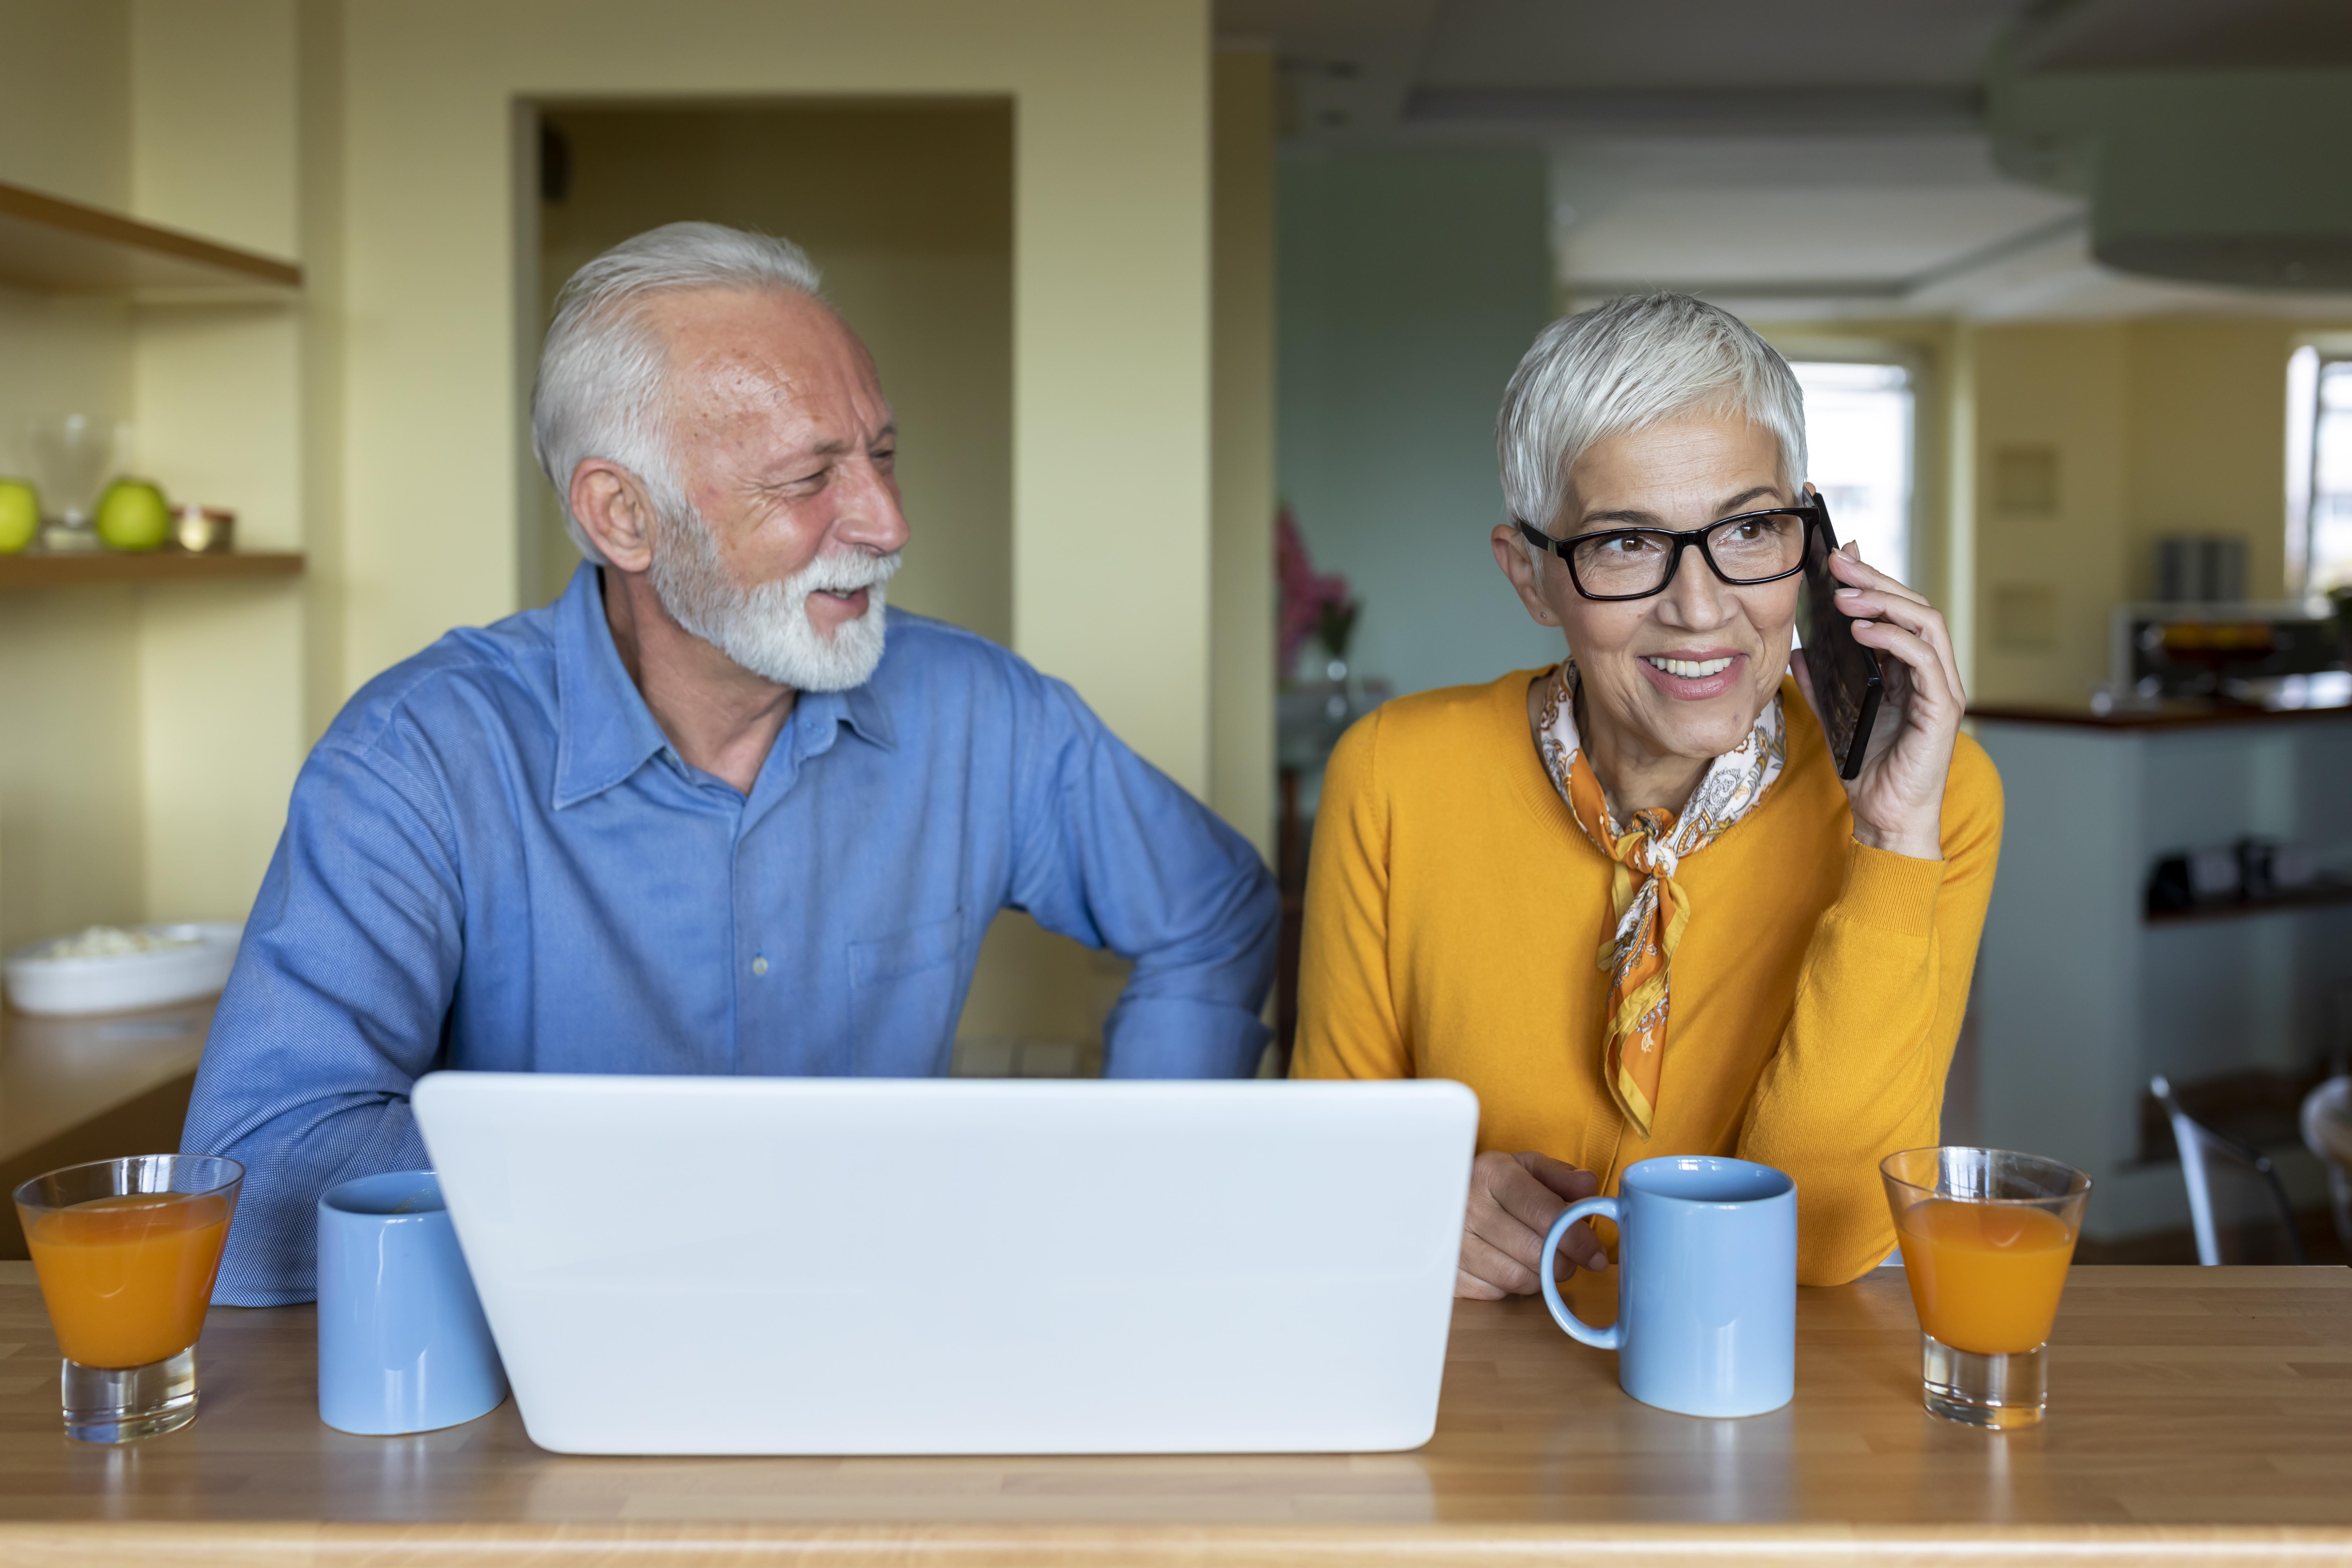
column 1650, row 907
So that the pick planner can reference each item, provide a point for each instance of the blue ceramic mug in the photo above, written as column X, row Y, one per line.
column 403, row 1344
column 1706, row 1284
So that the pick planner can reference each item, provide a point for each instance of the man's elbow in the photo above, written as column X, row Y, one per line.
column 1225, row 950
column 1262, row 927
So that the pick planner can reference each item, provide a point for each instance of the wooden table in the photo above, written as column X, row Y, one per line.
column 73, row 1089
column 2198, row 1415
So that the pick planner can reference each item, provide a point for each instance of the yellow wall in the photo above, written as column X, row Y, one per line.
column 1963, row 579
column 70, row 824
column 319, row 176
column 2064, row 389
column 64, row 119
column 215, row 149
column 1241, row 746
column 2207, row 449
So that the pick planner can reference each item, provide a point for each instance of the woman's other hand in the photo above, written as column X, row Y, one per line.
column 1514, row 1198
column 1898, row 796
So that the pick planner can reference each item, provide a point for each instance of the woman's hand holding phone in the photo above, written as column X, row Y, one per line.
column 1897, row 797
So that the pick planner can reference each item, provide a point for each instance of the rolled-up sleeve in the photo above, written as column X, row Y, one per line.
column 1113, row 852
column 335, row 1008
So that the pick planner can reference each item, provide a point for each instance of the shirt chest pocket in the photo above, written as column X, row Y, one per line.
column 908, row 987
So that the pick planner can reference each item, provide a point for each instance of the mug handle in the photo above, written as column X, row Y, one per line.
column 1613, row 1336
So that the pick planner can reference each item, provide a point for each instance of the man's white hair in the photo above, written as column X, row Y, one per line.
column 602, row 369
column 1626, row 365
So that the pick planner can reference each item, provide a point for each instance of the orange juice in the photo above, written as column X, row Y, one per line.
column 127, row 1278
column 1985, row 1277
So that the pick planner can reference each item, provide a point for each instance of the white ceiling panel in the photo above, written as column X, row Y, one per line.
column 1706, row 236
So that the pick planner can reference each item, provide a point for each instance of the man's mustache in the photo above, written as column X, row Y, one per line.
column 846, row 571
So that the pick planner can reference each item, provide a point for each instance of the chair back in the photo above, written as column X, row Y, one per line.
column 2237, row 1204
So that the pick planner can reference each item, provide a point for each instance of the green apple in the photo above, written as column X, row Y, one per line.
column 20, row 515
column 133, row 515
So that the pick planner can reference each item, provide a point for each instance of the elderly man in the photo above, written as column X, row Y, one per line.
column 711, row 811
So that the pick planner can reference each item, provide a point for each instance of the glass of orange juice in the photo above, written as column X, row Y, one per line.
column 126, row 1251
column 1986, row 1236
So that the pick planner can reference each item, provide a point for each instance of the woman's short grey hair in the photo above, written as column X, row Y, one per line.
column 1626, row 365
column 603, row 369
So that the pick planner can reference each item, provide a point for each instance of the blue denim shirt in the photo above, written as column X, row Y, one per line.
column 494, row 859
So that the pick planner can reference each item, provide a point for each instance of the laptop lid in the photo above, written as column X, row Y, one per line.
column 846, row 1266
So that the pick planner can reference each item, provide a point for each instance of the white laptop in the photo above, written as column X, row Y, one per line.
column 846, row 1266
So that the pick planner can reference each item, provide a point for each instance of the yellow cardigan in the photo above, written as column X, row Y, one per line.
column 1454, row 913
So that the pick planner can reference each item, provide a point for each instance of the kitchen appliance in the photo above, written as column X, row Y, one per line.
column 2227, row 652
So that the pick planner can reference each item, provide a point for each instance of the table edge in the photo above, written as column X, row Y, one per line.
column 91, row 1544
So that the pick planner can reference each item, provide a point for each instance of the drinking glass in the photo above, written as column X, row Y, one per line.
column 1987, row 1236
column 127, row 1251
column 74, row 453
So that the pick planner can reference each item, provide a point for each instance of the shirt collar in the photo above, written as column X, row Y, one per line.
column 604, row 733
column 604, row 730
column 863, row 710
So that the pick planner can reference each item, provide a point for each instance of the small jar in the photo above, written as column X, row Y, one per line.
column 202, row 529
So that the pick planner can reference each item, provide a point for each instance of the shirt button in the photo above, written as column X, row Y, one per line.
column 759, row 966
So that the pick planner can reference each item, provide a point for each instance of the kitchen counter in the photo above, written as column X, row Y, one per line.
column 2198, row 1416
column 2164, row 716
column 74, row 1089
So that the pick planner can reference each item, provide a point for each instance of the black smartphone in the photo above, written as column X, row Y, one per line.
column 1846, row 677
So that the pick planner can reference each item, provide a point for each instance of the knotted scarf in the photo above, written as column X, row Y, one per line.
column 1650, row 905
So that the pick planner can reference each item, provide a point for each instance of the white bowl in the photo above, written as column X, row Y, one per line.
column 125, row 982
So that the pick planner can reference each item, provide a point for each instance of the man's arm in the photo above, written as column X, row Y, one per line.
column 1113, row 852
column 335, row 1008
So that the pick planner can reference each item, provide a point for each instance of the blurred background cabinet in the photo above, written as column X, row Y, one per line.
column 2083, row 994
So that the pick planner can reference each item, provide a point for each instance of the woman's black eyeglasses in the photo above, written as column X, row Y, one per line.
column 1744, row 549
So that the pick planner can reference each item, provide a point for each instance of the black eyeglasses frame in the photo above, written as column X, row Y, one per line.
column 1812, row 510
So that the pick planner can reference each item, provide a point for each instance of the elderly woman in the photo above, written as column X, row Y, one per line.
column 1782, row 957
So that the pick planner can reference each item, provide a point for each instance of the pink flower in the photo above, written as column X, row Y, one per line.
column 1304, row 597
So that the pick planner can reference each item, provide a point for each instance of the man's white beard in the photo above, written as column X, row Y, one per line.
column 766, row 628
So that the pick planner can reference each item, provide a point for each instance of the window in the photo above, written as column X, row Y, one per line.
column 2319, row 471
column 1858, row 435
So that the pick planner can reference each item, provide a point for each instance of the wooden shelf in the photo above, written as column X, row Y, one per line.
column 156, row 566
column 66, row 248
column 2325, row 896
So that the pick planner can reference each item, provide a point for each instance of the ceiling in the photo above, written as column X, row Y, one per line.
column 1787, row 158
